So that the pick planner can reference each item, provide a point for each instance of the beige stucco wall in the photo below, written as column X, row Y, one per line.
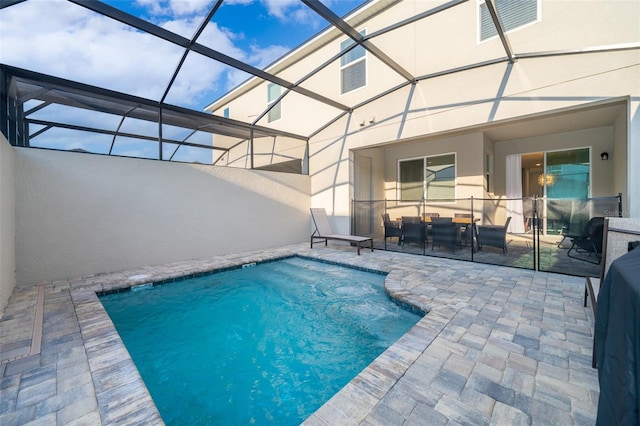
column 80, row 214
column 624, row 165
column 7, row 223
column 450, row 103
column 471, row 99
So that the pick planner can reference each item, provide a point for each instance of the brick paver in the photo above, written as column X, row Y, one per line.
column 498, row 346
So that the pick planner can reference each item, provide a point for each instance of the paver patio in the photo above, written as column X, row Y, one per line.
column 499, row 345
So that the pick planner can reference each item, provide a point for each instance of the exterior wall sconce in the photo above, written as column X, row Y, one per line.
column 604, row 155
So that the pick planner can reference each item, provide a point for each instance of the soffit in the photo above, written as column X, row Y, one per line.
column 559, row 122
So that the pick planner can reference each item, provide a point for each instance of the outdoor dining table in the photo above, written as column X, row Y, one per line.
column 458, row 220
column 461, row 221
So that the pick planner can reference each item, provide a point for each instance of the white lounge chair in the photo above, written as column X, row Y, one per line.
column 324, row 231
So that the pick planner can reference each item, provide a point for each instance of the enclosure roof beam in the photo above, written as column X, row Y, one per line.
column 351, row 32
column 171, row 37
column 500, row 28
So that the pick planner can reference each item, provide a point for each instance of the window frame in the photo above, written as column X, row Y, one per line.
column 342, row 67
column 479, row 21
column 278, row 108
column 424, row 159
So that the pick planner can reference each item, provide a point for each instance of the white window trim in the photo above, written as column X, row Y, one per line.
column 341, row 67
column 479, row 17
column 424, row 179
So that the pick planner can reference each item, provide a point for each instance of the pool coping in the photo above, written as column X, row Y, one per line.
column 120, row 390
column 480, row 329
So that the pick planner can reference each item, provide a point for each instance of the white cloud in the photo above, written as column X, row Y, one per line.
column 155, row 7
column 292, row 10
column 66, row 40
column 184, row 8
column 174, row 8
column 260, row 57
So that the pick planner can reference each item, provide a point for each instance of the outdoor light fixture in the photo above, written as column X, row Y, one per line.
column 548, row 178
column 604, row 155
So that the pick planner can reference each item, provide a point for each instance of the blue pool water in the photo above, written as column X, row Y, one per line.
column 267, row 344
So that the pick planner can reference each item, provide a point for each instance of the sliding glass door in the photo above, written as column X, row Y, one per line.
column 566, row 183
column 567, row 174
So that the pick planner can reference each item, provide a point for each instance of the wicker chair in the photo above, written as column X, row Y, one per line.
column 413, row 231
column 444, row 233
column 494, row 236
column 428, row 224
column 392, row 229
column 465, row 230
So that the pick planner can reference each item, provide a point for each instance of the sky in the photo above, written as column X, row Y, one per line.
column 63, row 39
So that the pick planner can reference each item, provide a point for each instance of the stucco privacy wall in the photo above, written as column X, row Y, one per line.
column 7, row 223
column 79, row 214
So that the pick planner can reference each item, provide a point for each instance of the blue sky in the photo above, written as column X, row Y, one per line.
column 65, row 40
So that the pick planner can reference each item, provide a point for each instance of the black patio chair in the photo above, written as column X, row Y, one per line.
column 493, row 235
column 589, row 241
column 426, row 217
column 465, row 230
column 413, row 231
column 444, row 233
column 392, row 229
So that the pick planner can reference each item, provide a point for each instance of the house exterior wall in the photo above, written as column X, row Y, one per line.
column 461, row 101
column 454, row 102
column 7, row 223
column 467, row 148
column 79, row 214
column 598, row 140
column 624, row 164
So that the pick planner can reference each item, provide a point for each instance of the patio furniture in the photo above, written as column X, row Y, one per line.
column 392, row 229
column 617, row 240
column 325, row 232
column 413, row 231
column 493, row 235
column 444, row 232
column 617, row 342
column 465, row 230
column 589, row 241
column 426, row 217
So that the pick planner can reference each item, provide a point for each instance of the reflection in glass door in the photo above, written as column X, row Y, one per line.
column 567, row 174
column 566, row 186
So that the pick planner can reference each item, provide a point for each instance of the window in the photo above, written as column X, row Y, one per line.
column 513, row 14
column 273, row 93
column 412, row 180
column 225, row 113
column 429, row 178
column 353, row 69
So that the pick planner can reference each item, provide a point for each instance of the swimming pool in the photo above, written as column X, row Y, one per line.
column 267, row 344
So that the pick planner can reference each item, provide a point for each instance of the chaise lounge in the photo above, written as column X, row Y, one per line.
column 324, row 231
